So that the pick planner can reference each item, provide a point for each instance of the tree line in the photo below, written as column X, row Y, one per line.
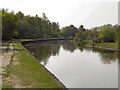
column 102, row 34
column 20, row 26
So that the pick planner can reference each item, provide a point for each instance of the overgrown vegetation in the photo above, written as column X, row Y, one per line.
column 107, row 35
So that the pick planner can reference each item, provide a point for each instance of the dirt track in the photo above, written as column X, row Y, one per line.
column 6, row 57
column 5, row 60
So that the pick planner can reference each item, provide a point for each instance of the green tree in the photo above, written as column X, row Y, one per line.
column 55, row 29
column 81, row 28
column 107, row 34
column 46, row 26
column 19, row 15
column 9, row 25
column 24, row 30
column 69, row 31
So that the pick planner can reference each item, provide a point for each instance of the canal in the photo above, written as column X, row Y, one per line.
column 77, row 67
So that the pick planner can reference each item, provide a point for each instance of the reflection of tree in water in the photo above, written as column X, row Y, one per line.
column 43, row 50
column 81, row 49
column 107, row 56
column 87, row 49
column 84, row 48
column 118, row 56
column 68, row 46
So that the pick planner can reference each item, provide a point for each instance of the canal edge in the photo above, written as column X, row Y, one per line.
column 51, row 74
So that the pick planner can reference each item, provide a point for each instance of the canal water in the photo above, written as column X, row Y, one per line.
column 77, row 67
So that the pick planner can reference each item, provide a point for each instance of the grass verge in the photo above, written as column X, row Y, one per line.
column 108, row 45
column 27, row 72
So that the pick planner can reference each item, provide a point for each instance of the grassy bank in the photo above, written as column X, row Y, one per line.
column 24, row 72
column 108, row 45
column 97, row 45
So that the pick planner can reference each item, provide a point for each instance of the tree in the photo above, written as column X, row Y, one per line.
column 69, row 31
column 55, row 29
column 19, row 15
column 82, row 36
column 46, row 26
column 20, row 26
column 81, row 28
column 24, row 30
column 107, row 34
column 9, row 25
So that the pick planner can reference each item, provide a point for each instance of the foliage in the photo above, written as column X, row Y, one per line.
column 9, row 25
column 117, row 41
column 106, row 33
column 86, row 35
column 84, row 42
column 69, row 31
column 19, row 26
column 81, row 28
column 55, row 31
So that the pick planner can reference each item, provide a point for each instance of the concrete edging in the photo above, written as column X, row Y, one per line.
column 51, row 74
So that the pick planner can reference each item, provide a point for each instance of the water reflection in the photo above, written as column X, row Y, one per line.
column 43, row 50
column 68, row 46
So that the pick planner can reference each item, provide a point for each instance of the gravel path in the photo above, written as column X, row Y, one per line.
column 6, row 56
column 5, row 60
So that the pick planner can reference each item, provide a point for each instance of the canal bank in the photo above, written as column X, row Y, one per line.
column 24, row 72
column 51, row 74
column 24, row 64
column 76, row 67
column 43, row 40
column 103, row 46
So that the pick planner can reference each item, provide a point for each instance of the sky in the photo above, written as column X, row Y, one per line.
column 90, row 13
